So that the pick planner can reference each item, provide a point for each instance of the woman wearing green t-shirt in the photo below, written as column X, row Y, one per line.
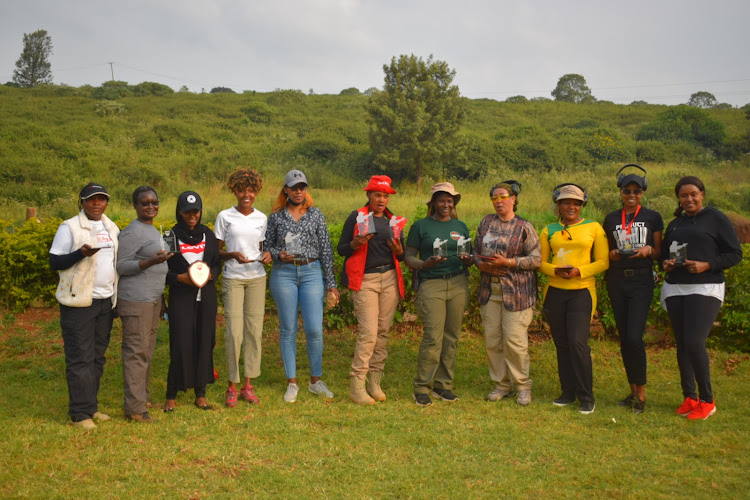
column 442, row 296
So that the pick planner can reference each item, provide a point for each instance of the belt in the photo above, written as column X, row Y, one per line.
column 629, row 273
column 443, row 276
column 380, row 269
column 303, row 262
column 495, row 279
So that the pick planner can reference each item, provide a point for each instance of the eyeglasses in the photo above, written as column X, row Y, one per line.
column 501, row 197
column 150, row 202
column 632, row 191
column 298, row 187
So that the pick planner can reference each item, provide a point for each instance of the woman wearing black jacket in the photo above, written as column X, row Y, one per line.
column 699, row 244
column 192, row 309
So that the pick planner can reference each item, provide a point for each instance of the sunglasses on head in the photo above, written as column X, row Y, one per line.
column 501, row 197
column 632, row 191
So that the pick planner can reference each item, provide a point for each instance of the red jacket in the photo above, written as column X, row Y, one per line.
column 355, row 265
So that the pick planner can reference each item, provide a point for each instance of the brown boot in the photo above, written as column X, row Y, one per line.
column 373, row 386
column 357, row 391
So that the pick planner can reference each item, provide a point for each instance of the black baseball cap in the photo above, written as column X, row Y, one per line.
column 92, row 189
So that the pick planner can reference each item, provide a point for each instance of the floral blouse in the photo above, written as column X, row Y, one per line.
column 313, row 238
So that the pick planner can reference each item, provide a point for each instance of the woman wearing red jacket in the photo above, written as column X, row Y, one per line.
column 372, row 243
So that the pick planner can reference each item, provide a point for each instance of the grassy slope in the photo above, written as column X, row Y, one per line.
column 334, row 449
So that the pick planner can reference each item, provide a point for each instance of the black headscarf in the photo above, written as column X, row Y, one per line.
column 184, row 204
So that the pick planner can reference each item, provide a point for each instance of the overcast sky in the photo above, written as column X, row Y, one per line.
column 657, row 51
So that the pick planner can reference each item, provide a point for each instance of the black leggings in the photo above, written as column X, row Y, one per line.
column 200, row 392
column 692, row 317
column 631, row 301
column 568, row 313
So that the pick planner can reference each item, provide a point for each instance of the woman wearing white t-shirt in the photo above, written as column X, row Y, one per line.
column 241, row 231
column 84, row 253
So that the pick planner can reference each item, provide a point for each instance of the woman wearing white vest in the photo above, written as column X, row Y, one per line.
column 84, row 252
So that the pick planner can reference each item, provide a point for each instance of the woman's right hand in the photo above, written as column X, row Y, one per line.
column 614, row 255
column 286, row 257
column 360, row 240
column 239, row 257
column 432, row 261
column 184, row 278
column 668, row 265
column 87, row 250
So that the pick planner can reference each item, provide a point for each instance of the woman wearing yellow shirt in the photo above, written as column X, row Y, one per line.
column 570, row 293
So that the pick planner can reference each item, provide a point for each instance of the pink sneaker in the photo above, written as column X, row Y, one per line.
column 248, row 394
column 231, row 397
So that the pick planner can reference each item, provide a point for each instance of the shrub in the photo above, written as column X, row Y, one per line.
column 258, row 112
column 734, row 322
column 684, row 123
column 109, row 108
column 604, row 147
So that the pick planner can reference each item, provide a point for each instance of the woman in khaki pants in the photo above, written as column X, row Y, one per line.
column 372, row 271
column 507, row 251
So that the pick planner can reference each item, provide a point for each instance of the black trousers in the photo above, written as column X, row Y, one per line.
column 568, row 313
column 692, row 317
column 85, row 332
column 631, row 302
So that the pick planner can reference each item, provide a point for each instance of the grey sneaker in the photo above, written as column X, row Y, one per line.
column 321, row 389
column 498, row 394
column 290, row 396
column 86, row 424
column 524, row 397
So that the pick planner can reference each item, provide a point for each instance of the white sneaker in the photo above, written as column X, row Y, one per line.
column 291, row 393
column 524, row 397
column 320, row 388
column 498, row 394
column 101, row 417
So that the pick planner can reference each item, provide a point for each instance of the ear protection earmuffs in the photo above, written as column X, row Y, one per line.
column 556, row 192
column 515, row 187
column 621, row 177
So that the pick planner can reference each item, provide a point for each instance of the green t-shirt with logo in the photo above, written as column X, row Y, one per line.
column 427, row 234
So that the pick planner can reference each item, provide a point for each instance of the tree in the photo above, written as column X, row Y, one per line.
column 572, row 88
column 703, row 100
column 350, row 91
column 415, row 119
column 33, row 67
column 222, row 90
column 516, row 98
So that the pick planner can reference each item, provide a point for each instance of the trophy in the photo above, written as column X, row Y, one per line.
column 199, row 273
column 169, row 242
column 463, row 247
column 678, row 252
column 624, row 245
column 365, row 224
column 293, row 245
column 396, row 227
column 440, row 248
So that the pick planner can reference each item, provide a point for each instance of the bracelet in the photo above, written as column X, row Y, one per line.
column 650, row 249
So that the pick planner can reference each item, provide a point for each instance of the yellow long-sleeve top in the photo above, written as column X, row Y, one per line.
column 574, row 246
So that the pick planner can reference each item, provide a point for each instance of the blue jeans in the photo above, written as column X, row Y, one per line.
column 294, row 288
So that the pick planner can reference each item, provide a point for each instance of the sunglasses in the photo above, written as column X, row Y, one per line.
column 147, row 203
column 632, row 191
column 298, row 187
column 501, row 197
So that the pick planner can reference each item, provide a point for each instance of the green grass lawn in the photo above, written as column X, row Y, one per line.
column 316, row 448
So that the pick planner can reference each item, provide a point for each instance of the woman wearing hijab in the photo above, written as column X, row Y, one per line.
column 84, row 252
column 298, row 239
column 241, row 230
column 372, row 271
column 570, row 294
column 634, row 236
column 192, row 306
column 507, row 252
column 443, row 293
column 699, row 244
column 142, row 267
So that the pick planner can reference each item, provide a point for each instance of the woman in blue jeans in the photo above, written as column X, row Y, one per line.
column 298, row 239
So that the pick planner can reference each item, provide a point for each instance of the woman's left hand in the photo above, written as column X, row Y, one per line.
column 395, row 245
column 642, row 253
column 332, row 297
column 696, row 266
column 467, row 260
column 265, row 258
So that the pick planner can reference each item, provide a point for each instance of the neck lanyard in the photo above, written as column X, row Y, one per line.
column 629, row 226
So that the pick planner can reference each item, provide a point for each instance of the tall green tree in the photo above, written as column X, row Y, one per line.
column 415, row 120
column 33, row 67
column 572, row 88
column 703, row 100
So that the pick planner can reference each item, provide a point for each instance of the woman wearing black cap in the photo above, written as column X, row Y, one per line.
column 192, row 304
column 84, row 252
column 634, row 236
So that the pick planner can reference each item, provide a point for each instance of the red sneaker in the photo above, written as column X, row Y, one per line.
column 686, row 407
column 231, row 397
column 248, row 394
column 702, row 411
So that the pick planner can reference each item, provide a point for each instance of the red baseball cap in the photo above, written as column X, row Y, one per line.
column 380, row 183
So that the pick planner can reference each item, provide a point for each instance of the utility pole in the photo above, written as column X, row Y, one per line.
column 112, row 69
